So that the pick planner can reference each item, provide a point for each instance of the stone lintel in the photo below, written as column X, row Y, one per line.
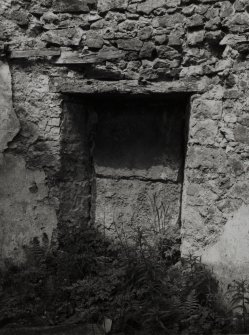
column 131, row 87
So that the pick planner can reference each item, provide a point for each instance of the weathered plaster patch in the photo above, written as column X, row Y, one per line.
column 9, row 124
column 229, row 256
column 24, row 208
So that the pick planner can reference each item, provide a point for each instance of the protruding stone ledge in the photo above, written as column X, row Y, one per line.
column 68, row 56
column 35, row 53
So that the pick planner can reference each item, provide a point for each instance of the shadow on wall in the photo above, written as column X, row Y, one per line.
column 100, row 277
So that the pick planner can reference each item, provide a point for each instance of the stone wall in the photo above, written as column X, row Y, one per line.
column 59, row 47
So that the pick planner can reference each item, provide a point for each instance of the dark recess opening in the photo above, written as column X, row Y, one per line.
column 123, row 160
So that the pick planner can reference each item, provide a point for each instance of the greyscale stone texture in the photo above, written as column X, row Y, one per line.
column 132, row 47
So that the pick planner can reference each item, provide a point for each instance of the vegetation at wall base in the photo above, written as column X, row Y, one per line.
column 129, row 280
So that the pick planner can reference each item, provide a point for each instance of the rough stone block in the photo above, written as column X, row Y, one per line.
column 145, row 33
column 148, row 6
column 226, row 9
column 166, row 52
column 170, row 20
column 108, row 53
column 203, row 109
column 64, row 37
column 132, row 44
column 231, row 39
column 67, row 6
column 238, row 23
column 20, row 17
column 94, row 40
column 241, row 134
column 106, row 5
column 204, row 132
column 147, row 50
column 196, row 37
column 203, row 157
column 240, row 190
